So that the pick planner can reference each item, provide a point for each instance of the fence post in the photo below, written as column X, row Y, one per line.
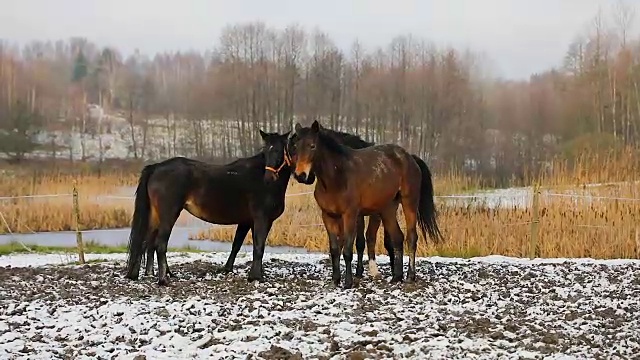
column 534, row 221
column 76, row 213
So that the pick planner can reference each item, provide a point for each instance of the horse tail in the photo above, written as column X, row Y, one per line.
column 427, row 212
column 139, row 224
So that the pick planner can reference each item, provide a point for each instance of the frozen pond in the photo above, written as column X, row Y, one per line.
column 515, row 197
column 494, row 198
column 120, row 237
column 498, row 198
column 187, row 224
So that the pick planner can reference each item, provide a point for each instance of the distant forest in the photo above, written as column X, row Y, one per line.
column 438, row 102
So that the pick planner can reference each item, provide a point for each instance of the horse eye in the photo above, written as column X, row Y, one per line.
column 312, row 146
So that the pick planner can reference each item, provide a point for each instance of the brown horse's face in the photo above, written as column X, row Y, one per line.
column 304, row 148
column 291, row 148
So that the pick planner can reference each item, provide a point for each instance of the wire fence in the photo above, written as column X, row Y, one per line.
column 7, row 198
column 532, row 199
column 474, row 196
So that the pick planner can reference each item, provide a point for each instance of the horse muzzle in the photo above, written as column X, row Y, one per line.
column 301, row 177
column 270, row 176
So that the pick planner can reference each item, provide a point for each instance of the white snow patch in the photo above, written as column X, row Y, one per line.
column 520, row 309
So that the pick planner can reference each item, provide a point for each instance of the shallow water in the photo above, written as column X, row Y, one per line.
column 187, row 224
column 120, row 237
column 519, row 197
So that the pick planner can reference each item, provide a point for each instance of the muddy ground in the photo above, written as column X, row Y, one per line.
column 458, row 309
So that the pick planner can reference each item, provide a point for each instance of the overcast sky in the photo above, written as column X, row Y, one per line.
column 519, row 36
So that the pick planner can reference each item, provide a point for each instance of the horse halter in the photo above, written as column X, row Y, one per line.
column 285, row 162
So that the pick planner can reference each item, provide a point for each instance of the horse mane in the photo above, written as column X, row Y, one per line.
column 332, row 144
column 351, row 140
column 252, row 160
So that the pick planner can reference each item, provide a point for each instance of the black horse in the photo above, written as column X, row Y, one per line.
column 247, row 192
column 356, row 142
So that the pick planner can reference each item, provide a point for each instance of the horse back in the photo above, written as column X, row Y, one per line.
column 385, row 159
column 378, row 174
column 220, row 194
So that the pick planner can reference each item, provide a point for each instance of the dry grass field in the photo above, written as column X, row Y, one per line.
column 24, row 215
column 568, row 226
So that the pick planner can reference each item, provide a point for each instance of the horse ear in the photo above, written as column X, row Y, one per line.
column 263, row 134
column 297, row 127
column 315, row 126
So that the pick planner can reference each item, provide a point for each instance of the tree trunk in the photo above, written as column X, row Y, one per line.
column 83, row 114
column 132, row 127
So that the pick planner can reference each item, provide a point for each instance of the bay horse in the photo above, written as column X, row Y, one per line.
column 245, row 192
column 356, row 142
column 354, row 182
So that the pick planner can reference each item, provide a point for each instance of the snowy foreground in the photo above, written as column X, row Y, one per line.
column 489, row 308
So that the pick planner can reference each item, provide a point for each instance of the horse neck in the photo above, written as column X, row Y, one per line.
column 329, row 169
column 283, row 179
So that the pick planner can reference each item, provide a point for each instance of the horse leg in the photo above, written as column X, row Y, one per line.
column 169, row 273
column 390, row 223
column 161, row 251
column 151, row 251
column 238, row 239
column 349, row 221
column 410, row 193
column 167, row 219
column 261, row 227
column 360, row 244
column 150, row 265
column 388, row 244
column 372, row 234
column 410, row 216
column 333, row 226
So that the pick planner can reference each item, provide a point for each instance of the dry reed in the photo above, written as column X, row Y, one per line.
column 569, row 227
column 25, row 215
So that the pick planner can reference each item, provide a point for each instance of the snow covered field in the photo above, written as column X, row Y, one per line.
column 484, row 308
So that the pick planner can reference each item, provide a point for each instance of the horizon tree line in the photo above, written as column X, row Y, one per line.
column 438, row 102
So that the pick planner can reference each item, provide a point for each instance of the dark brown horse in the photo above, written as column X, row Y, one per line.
column 246, row 192
column 366, row 181
column 356, row 142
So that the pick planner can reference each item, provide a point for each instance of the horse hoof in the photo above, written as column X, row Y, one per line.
column 336, row 283
column 396, row 279
column 131, row 277
column 411, row 278
column 348, row 285
column 359, row 275
column 163, row 282
column 252, row 278
column 225, row 270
